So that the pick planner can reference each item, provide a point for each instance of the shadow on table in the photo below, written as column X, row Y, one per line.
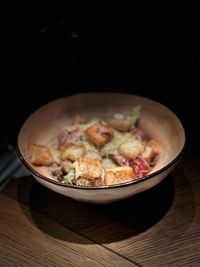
column 99, row 223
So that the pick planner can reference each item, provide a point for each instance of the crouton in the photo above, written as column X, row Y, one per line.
column 66, row 165
column 118, row 175
column 39, row 155
column 72, row 151
column 152, row 150
column 99, row 134
column 120, row 125
column 89, row 169
column 131, row 148
column 155, row 146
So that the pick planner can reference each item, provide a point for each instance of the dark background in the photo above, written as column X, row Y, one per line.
column 58, row 50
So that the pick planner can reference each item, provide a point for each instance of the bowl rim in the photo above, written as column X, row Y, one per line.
column 125, row 184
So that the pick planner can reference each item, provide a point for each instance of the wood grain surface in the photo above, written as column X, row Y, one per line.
column 159, row 227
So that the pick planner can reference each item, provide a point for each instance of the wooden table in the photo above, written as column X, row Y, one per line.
column 160, row 227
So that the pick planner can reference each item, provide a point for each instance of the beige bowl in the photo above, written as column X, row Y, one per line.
column 157, row 121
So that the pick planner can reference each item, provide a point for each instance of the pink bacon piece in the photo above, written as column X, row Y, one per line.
column 140, row 134
column 70, row 135
column 121, row 160
column 139, row 165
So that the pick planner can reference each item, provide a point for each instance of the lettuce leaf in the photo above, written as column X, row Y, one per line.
column 83, row 182
column 135, row 114
column 70, row 177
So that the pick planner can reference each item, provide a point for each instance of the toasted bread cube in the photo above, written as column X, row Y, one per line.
column 39, row 155
column 118, row 175
column 99, row 133
column 66, row 165
column 89, row 169
column 152, row 150
column 120, row 125
column 72, row 151
column 155, row 146
column 131, row 148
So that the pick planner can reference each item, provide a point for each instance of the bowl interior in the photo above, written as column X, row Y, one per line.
column 156, row 120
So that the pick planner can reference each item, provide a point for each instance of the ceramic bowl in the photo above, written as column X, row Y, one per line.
column 156, row 120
